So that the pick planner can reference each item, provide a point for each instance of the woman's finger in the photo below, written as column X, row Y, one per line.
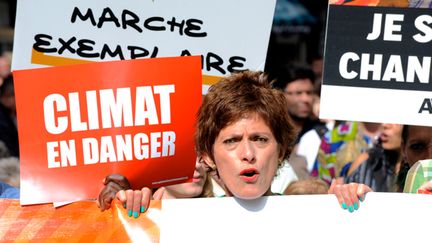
column 136, row 208
column 129, row 202
column 346, row 197
column 145, row 201
column 336, row 190
column 362, row 190
column 352, row 193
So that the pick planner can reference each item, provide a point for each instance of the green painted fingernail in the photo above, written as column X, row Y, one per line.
column 361, row 199
column 130, row 213
column 142, row 209
column 124, row 205
column 356, row 206
column 350, row 209
column 135, row 214
column 344, row 206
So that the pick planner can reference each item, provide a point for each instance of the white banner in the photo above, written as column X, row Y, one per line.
column 382, row 217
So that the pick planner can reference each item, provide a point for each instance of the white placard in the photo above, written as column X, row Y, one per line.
column 382, row 217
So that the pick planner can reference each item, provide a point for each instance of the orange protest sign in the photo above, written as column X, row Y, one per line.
column 80, row 123
column 76, row 222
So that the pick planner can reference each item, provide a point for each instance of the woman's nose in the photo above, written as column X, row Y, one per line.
column 247, row 152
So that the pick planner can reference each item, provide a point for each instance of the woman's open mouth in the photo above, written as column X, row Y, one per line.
column 249, row 175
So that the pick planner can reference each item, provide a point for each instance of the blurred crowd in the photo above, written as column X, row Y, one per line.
column 9, row 146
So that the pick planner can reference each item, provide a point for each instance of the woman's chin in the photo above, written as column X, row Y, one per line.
column 248, row 195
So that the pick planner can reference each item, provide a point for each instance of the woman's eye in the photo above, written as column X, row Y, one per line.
column 417, row 146
column 260, row 139
column 229, row 141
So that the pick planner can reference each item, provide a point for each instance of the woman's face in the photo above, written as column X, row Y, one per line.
column 190, row 189
column 418, row 145
column 246, row 157
column 391, row 136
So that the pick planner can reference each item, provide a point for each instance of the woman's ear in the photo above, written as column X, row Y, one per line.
column 208, row 162
column 211, row 168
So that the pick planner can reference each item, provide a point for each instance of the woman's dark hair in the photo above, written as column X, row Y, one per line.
column 242, row 95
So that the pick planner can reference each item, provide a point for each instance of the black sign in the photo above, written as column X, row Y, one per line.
column 379, row 47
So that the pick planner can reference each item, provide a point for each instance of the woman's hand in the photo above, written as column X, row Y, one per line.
column 113, row 184
column 135, row 201
column 350, row 194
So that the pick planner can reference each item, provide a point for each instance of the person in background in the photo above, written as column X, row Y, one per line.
column 8, row 191
column 379, row 166
column 309, row 143
column 7, row 96
column 417, row 153
column 317, row 66
column 244, row 134
column 5, row 66
column 297, row 84
column 306, row 187
column 10, row 171
column 9, row 167
column 341, row 146
column 8, row 128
